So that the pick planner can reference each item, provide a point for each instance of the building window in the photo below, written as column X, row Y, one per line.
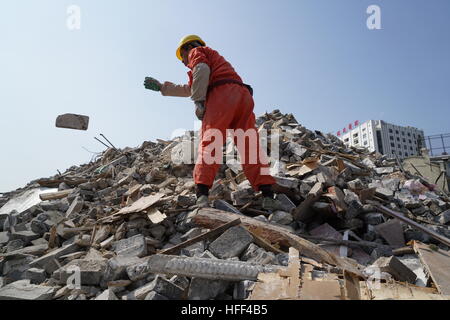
column 392, row 145
column 346, row 140
column 398, row 139
column 403, row 133
column 406, row 154
column 410, row 148
column 355, row 135
column 390, row 131
column 364, row 136
column 399, row 153
column 404, row 140
column 365, row 143
column 409, row 141
column 356, row 141
column 396, row 131
column 399, row 146
column 391, row 137
column 409, row 134
column 405, row 147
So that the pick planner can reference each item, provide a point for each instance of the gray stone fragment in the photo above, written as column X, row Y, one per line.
column 47, row 262
column 24, row 290
column 4, row 237
column 281, row 217
column 444, row 217
column 134, row 246
column 15, row 268
column 25, row 236
column 36, row 276
column 384, row 170
column 373, row 218
column 108, row 294
column 166, row 288
column 116, row 267
column 225, row 206
column 182, row 282
column 155, row 296
column 14, row 245
column 286, row 203
column 242, row 289
column 203, row 289
column 231, row 243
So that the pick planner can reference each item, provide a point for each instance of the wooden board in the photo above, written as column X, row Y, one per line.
column 437, row 263
column 142, row 204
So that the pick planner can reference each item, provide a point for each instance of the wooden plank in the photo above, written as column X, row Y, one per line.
column 211, row 218
column 399, row 291
column 55, row 195
column 155, row 216
column 142, row 204
column 352, row 288
column 437, row 263
column 207, row 235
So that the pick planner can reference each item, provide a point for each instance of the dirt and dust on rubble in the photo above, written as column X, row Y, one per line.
column 354, row 226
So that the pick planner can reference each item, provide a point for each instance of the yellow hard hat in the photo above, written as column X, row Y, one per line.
column 188, row 39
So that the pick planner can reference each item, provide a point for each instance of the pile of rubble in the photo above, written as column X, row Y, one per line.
column 125, row 226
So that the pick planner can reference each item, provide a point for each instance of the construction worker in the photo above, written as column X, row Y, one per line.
column 222, row 101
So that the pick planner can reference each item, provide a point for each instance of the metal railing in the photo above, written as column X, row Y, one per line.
column 437, row 145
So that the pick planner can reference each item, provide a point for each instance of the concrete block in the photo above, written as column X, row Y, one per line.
column 47, row 262
column 392, row 232
column 281, row 217
column 35, row 275
column 108, row 294
column 25, row 236
column 135, row 246
column 91, row 271
column 72, row 121
column 396, row 268
column 116, row 268
column 231, row 243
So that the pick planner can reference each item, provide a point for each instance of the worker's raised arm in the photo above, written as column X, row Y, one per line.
column 175, row 90
column 200, row 82
column 167, row 88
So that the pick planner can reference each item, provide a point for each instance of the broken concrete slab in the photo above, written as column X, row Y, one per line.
column 24, row 290
column 231, row 243
column 392, row 232
column 47, row 262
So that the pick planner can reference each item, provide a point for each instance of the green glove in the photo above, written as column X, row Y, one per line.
column 152, row 84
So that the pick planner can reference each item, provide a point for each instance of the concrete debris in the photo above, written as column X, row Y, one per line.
column 123, row 222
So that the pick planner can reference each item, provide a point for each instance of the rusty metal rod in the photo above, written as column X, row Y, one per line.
column 101, row 142
column 414, row 224
column 108, row 141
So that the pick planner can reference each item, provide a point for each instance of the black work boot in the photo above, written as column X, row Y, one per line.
column 202, row 192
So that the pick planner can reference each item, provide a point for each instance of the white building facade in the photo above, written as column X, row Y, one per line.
column 385, row 138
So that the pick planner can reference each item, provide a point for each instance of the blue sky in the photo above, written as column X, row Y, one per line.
column 313, row 58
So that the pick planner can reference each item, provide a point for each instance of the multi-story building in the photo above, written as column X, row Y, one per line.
column 386, row 138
